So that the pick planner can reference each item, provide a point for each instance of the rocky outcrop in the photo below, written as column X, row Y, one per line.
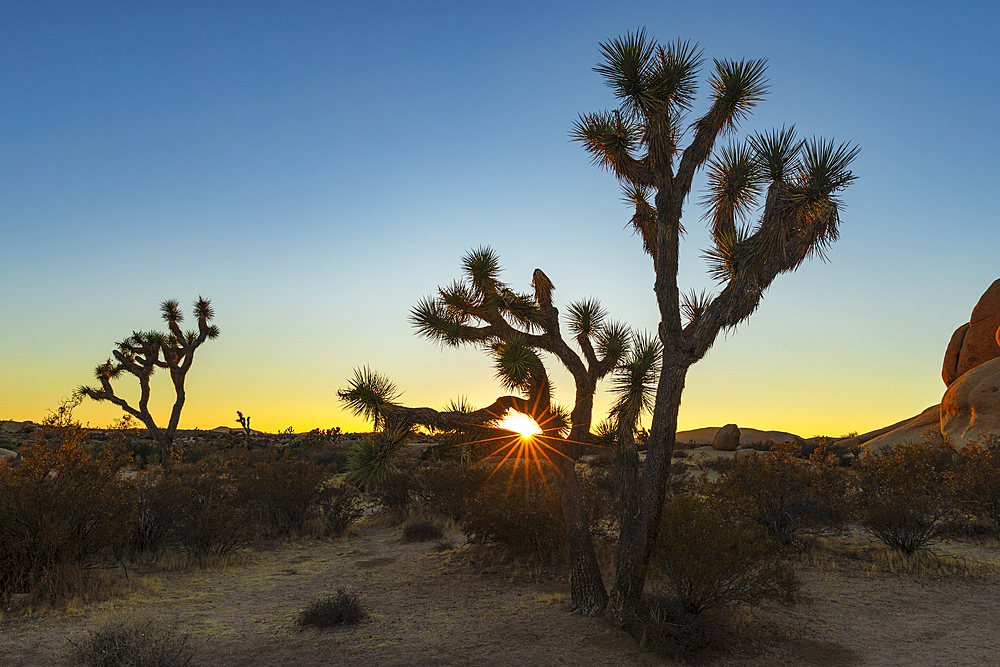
column 970, row 408
column 18, row 427
column 7, row 455
column 976, row 342
column 727, row 439
column 908, row 430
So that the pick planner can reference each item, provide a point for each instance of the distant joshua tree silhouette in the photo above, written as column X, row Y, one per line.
column 142, row 353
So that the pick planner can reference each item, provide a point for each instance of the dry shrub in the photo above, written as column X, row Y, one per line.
column 343, row 608
column 133, row 642
column 422, row 531
column 206, row 520
column 519, row 511
column 340, row 507
column 906, row 493
column 712, row 555
column 279, row 493
column 154, row 516
column 397, row 493
column 786, row 494
column 447, row 488
column 980, row 480
column 62, row 511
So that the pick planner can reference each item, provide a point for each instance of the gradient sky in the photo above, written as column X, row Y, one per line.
column 316, row 168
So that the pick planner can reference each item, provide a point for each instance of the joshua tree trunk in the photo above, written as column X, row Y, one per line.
column 641, row 514
column 586, row 583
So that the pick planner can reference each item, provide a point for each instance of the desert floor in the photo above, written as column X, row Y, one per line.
column 431, row 607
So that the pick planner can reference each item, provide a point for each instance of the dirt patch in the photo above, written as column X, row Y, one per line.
column 427, row 608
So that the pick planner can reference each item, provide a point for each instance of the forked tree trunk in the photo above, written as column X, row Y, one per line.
column 639, row 529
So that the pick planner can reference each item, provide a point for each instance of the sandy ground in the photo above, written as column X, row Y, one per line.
column 428, row 608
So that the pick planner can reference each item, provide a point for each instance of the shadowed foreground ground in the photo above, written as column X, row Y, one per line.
column 429, row 609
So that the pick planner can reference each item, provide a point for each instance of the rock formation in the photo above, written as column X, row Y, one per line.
column 908, row 430
column 727, row 439
column 970, row 408
column 975, row 342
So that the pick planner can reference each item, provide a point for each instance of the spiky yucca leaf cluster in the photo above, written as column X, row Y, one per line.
column 480, row 309
column 639, row 141
column 368, row 395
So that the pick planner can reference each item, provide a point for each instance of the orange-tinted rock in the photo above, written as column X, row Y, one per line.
column 979, row 343
column 949, row 369
column 727, row 439
column 970, row 408
column 908, row 430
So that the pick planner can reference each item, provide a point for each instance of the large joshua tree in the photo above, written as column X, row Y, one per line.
column 641, row 143
column 142, row 353
column 482, row 310
column 514, row 328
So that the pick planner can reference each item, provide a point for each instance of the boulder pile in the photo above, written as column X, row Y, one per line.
column 970, row 407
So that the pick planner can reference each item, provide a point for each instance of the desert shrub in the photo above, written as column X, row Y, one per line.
column 787, row 494
column 448, row 487
column 397, row 493
column 343, row 607
column 661, row 625
column 980, row 480
column 340, row 507
column 62, row 510
column 333, row 460
column 422, row 531
column 206, row 519
column 599, row 492
column 520, row 512
column 135, row 642
column 712, row 555
column 155, row 513
column 905, row 494
column 280, row 493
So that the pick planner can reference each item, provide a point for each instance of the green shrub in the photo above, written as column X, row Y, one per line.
column 133, row 643
column 62, row 510
column 519, row 512
column 712, row 555
column 787, row 494
column 905, row 494
column 344, row 607
column 422, row 531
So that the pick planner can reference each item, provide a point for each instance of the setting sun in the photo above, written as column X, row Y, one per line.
column 520, row 423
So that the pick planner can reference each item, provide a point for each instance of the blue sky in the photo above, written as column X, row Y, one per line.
column 316, row 169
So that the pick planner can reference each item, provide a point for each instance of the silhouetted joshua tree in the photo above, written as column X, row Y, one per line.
column 513, row 327
column 142, row 353
column 640, row 142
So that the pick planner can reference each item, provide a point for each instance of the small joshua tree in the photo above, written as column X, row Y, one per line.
column 142, row 353
column 245, row 423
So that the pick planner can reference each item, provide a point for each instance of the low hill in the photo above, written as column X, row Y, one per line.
column 705, row 436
